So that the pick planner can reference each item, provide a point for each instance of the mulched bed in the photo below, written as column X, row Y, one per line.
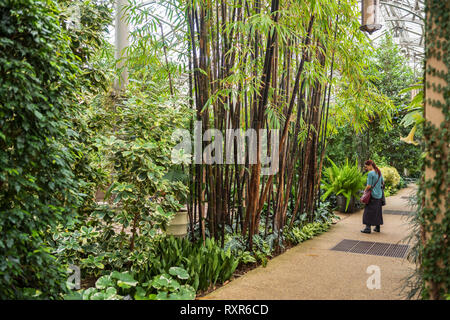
column 88, row 282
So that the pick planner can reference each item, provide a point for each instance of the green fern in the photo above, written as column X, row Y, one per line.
column 346, row 180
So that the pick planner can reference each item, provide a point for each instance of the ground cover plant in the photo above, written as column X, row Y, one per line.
column 120, row 286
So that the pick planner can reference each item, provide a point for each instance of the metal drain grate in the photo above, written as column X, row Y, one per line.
column 345, row 245
column 362, row 247
column 396, row 250
column 379, row 249
column 372, row 248
column 398, row 212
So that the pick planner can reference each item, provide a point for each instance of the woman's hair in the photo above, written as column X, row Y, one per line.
column 371, row 163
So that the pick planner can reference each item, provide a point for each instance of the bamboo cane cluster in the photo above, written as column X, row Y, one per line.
column 263, row 65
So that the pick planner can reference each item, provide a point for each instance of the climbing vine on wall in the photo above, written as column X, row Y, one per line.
column 434, row 249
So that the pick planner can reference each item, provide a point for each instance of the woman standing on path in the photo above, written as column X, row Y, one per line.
column 373, row 215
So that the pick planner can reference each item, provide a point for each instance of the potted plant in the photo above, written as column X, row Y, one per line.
column 345, row 182
column 178, row 225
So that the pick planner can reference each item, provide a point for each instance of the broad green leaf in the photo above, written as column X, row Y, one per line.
column 140, row 294
column 125, row 280
column 161, row 281
column 110, row 293
column 162, row 295
column 179, row 272
column 88, row 292
column 104, row 282
column 98, row 296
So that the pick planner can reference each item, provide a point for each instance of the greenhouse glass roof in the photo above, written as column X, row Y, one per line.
column 405, row 20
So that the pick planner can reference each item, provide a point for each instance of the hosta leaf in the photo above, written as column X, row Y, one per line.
column 179, row 272
column 98, row 296
column 162, row 295
column 110, row 293
column 104, row 282
column 185, row 293
column 125, row 280
column 88, row 292
column 174, row 285
column 161, row 281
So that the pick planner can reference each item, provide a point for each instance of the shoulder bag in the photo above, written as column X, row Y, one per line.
column 383, row 198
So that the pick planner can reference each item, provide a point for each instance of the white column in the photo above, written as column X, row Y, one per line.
column 121, row 43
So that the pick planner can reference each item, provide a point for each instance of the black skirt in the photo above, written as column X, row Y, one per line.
column 373, row 214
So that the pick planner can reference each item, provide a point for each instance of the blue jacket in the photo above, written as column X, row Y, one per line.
column 372, row 177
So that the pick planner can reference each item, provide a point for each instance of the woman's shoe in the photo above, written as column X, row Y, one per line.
column 366, row 230
column 377, row 229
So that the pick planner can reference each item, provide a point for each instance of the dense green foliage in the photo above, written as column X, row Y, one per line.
column 126, row 141
column 392, row 75
column 380, row 140
column 267, row 245
column 392, row 71
column 131, row 151
column 50, row 71
column 39, row 79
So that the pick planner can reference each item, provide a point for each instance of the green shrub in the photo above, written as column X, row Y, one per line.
column 391, row 176
column 346, row 180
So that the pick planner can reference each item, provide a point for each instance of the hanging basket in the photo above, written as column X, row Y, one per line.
column 370, row 16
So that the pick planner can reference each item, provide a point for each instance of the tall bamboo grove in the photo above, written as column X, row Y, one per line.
column 265, row 65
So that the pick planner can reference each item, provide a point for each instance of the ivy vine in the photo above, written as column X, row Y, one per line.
column 434, row 249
